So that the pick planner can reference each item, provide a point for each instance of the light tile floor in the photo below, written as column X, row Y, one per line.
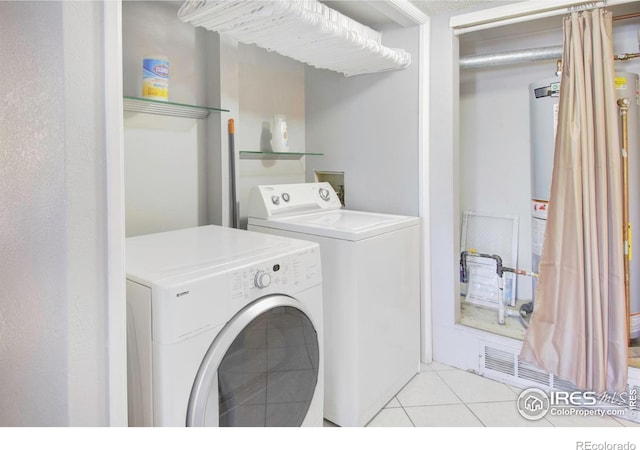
column 443, row 396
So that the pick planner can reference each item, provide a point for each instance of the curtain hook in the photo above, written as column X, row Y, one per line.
column 588, row 6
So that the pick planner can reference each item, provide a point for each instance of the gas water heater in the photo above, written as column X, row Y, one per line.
column 543, row 106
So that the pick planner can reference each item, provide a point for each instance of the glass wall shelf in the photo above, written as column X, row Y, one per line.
column 275, row 155
column 149, row 106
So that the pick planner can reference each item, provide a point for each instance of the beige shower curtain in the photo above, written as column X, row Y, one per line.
column 578, row 329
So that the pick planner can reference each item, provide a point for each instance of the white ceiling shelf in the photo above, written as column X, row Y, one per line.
column 304, row 30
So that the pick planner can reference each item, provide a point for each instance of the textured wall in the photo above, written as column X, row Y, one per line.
column 33, row 308
column 52, row 226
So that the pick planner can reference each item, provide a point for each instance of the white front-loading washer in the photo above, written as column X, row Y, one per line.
column 224, row 329
column 371, row 288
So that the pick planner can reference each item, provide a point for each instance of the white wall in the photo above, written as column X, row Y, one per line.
column 367, row 126
column 53, row 191
column 494, row 134
column 444, row 185
column 177, row 170
column 165, row 157
column 268, row 84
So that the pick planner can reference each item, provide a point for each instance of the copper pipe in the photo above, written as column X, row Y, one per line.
column 626, row 56
column 626, row 16
column 623, row 104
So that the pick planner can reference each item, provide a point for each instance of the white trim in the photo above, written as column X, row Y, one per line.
column 426, row 337
column 403, row 12
column 116, row 291
column 520, row 12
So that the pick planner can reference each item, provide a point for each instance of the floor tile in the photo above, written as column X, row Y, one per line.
column 425, row 389
column 503, row 414
column 582, row 421
column 443, row 396
column 391, row 417
column 436, row 366
column 394, row 403
column 473, row 388
column 442, row 416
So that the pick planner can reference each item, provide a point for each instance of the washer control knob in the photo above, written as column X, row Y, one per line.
column 324, row 194
column 262, row 280
column 286, row 197
column 275, row 199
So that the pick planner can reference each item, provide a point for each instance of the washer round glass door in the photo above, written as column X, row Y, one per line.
column 261, row 370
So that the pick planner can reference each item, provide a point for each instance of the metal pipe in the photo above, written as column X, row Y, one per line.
column 464, row 277
column 626, row 16
column 624, row 104
column 501, row 305
column 464, row 269
column 518, row 56
column 626, row 56
column 526, row 273
column 533, row 54
column 503, row 311
column 502, row 58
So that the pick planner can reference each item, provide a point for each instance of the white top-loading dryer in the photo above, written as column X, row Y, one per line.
column 224, row 328
column 371, row 286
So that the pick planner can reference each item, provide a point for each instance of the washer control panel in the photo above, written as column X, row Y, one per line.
column 291, row 199
column 262, row 279
column 324, row 194
column 287, row 274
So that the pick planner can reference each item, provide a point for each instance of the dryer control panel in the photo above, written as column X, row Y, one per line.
column 288, row 275
column 291, row 199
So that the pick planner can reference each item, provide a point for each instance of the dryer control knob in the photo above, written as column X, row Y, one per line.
column 275, row 199
column 286, row 197
column 324, row 194
column 262, row 280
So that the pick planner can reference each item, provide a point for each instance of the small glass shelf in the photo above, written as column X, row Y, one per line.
column 149, row 106
column 275, row 155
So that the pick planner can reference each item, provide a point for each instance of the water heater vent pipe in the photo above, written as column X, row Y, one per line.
column 496, row 59
column 518, row 56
